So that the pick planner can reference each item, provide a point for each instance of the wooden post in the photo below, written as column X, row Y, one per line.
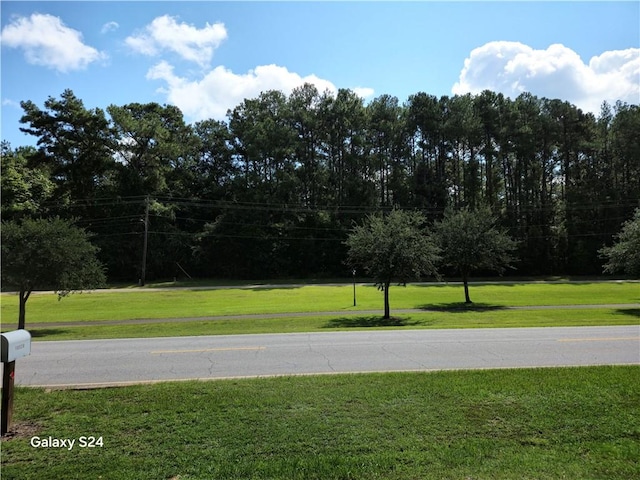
column 7, row 395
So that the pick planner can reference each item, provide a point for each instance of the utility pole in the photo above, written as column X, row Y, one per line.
column 144, row 246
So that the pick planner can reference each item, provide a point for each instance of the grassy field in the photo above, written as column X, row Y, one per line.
column 498, row 424
column 193, row 303
column 488, row 311
column 320, row 323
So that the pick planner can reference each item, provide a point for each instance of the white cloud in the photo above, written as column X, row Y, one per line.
column 557, row 72
column 363, row 92
column 221, row 89
column 48, row 42
column 109, row 27
column 8, row 102
column 166, row 34
column 218, row 89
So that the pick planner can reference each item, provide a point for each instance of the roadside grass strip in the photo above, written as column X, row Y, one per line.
column 321, row 308
column 546, row 423
column 106, row 305
column 323, row 323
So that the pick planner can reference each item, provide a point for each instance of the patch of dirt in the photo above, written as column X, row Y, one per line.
column 21, row 430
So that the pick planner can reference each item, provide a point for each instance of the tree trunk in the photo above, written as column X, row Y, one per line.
column 24, row 296
column 465, row 280
column 386, row 302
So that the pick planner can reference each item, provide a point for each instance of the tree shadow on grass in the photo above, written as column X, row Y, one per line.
column 268, row 288
column 370, row 321
column 45, row 332
column 458, row 307
column 634, row 312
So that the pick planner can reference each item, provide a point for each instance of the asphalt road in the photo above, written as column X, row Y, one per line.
column 89, row 363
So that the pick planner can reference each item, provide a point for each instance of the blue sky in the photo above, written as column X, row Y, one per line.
column 205, row 57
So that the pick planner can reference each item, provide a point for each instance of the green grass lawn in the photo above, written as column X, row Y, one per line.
column 577, row 423
column 319, row 323
column 195, row 303
column 488, row 311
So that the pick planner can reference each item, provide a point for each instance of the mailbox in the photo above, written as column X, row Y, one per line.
column 15, row 344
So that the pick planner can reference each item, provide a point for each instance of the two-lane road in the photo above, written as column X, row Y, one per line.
column 113, row 362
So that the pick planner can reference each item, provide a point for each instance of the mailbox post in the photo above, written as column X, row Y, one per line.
column 14, row 345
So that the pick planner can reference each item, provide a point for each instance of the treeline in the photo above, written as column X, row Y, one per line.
column 275, row 189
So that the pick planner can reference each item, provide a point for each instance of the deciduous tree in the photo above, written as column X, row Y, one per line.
column 24, row 189
column 470, row 241
column 624, row 255
column 393, row 248
column 47, row 254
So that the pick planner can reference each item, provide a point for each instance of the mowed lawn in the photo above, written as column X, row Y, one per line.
column 179, row 303
column 556, row 423
column 323, row 307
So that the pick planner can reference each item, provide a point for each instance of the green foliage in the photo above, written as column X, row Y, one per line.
column 74, row 143
column 470, row 241
column 48, row 254
column 392, row 248
column 156, row 146
column 274, row 190
column 24, row 189
column 624, row 255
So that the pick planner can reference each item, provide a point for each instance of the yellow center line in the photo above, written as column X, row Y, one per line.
column 609, row 339
column 228, row 349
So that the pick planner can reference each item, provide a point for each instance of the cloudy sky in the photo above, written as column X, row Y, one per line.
column 205, row 57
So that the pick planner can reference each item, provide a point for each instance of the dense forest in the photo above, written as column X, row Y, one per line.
column 274, row 190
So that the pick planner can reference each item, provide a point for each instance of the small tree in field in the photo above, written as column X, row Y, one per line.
column 392, row 248
column 624, row 255
column 47, row 255
column 470, row 241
